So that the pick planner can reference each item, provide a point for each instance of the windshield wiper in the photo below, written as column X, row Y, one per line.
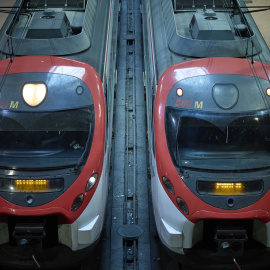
column 259, row 9
column 37, row 169
column 77, row 168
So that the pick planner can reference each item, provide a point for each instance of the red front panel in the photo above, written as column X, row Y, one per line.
column 197, row 208
column 61, row 206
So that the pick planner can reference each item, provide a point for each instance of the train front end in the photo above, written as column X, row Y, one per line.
column 210, row 162
column 52, row 178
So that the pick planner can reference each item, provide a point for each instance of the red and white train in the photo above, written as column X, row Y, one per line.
column 207, row 78
column 56, row 107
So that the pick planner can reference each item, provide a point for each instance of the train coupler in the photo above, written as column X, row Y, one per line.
column 29, row 237
column 230, row 241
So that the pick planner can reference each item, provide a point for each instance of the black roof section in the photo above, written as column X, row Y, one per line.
column 49, row 27
column 209, row 29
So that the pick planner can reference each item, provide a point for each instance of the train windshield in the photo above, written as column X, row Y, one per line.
column 38, row 140
column 216, row 141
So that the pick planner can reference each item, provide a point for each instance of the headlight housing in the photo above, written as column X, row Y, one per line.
column 91, row 182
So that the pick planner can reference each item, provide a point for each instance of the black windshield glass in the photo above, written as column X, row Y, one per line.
column 44, row 139
column 218, row 141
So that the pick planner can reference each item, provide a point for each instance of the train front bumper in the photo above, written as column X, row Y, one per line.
column 28, row 246
column 179, row 235
column 77, row 238
column 175, row 230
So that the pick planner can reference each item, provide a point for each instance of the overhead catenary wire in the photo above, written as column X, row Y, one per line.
column 242, row 13
column 250, row 57
column 12, row 51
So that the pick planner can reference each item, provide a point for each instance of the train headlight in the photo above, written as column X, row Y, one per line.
column 268, row 91
column 77, row 202
column 182, row 205
column 179, row 92
column 168, row 184
column 91, row 182
column 34, row 93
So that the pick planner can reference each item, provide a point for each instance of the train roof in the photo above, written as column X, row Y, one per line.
column 74, row 29
column 184, row 30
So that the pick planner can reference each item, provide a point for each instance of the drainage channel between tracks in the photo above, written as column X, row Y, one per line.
column 130, row 232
